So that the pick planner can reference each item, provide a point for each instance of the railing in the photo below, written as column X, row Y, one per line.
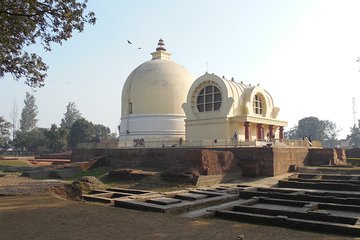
column 184, row 144
column 301, row 143
column 200, row 143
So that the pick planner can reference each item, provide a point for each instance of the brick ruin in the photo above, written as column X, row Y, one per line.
column 195, row 162
column 327, row 199
column 301, row 201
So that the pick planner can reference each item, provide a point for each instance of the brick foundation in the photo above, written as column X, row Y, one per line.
column 254, row 162
column 326, row 156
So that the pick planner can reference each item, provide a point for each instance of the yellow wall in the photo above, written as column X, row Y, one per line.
column 224, row 131
column 206, row 131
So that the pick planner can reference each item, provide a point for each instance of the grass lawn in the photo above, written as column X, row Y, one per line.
column 15, row 163
column 100, row 173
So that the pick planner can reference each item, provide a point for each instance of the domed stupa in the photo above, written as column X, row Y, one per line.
column 152, row 97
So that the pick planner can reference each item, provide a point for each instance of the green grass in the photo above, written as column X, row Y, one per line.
column 15, row 163
column 99, row 173
column 151, row 183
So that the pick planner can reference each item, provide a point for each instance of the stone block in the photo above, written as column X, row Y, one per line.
column 190, row 196
column 164, row 201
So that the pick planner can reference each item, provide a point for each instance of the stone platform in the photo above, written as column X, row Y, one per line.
column 109, row 195
column 332, row 182
column 298, row 206
column 174, row 202
column 320, row 202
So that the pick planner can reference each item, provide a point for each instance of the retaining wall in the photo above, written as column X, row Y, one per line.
column 261, row 161
column 353, row 153
column 326, row 156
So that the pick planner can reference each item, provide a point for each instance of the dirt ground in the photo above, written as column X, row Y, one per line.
column 45, row 216
column 34, row 213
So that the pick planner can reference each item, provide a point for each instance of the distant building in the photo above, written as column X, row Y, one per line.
column 162, row 102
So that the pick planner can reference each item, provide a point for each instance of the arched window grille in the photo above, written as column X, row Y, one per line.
column 209, row 99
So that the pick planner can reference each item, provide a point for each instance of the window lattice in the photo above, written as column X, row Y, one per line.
column 209, row 99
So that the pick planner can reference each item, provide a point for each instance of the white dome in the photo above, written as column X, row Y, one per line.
column 156, row 86
column 152, row 98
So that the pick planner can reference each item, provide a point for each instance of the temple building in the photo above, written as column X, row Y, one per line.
column 162, row 102
column 221, row 109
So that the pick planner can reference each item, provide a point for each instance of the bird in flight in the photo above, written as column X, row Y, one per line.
column 129, row 42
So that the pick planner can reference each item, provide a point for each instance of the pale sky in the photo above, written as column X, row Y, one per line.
column 303, row 52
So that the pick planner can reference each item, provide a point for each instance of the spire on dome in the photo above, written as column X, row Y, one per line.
column 161, row 45
column 161, row 52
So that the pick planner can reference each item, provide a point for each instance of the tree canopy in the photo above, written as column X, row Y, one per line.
column 57, row 139
column 84, row 131
column 42, row 140
column 74, row 129
column 26, row 22
column 312, row 126
column 355, row 135
column 5, row 127
column 28, row 119
column 70, row 116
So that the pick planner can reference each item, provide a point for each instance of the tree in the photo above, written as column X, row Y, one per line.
column 42, row 140
column 355, row 135
column 14, row 117
column 83, row 131
column 33, row 140
column 56, row 139
column 291, row 134
column 101, row 132
column 28, row 119
column 5, row 127
column 21, row 140
column 312, row 126
column 25, row 22
column 70, row 116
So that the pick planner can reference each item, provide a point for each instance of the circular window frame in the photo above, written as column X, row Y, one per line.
column 197, row 92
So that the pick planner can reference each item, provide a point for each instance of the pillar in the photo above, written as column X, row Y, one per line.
column 271, row 133
column 259, row 135
column 247, row 131
column 281, row 133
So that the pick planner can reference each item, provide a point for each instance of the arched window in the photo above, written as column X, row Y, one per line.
column 208, row 99
column 258, row 104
